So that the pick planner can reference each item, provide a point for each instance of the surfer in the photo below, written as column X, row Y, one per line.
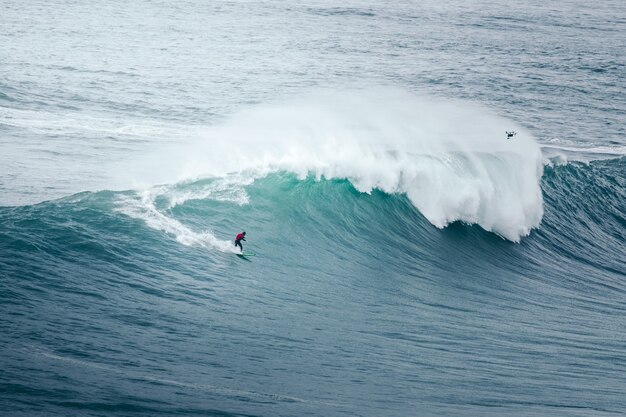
column 241, row 236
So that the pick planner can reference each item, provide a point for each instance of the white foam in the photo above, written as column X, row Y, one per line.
column 562, row 150
column 229, row 188
column 142, row 206
column 451, row 158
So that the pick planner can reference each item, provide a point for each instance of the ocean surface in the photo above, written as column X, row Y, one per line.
column 410, row 259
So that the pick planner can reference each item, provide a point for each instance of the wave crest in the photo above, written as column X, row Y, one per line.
column 451, row 158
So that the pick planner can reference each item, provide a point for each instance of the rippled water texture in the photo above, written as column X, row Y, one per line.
column 410, row 260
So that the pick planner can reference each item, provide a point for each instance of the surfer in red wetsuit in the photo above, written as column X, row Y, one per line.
column 241, row 236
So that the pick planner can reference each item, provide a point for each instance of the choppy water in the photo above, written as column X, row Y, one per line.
column 410, row 260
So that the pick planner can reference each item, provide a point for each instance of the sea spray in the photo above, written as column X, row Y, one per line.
column 451, row 158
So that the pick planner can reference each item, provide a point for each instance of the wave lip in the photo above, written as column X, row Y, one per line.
column 494, row 190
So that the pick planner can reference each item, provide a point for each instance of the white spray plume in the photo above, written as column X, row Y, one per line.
column 451, row 158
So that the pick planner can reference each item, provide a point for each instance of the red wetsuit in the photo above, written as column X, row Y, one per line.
column 241, row 236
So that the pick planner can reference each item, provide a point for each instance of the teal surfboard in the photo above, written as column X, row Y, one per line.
column 243, row 255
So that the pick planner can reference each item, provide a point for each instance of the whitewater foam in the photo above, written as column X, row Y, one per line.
column 451, row 158
column 566, row 150
column 229, row 188
column 142, row 206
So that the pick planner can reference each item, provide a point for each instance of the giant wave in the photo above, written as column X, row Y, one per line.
column 450, row 158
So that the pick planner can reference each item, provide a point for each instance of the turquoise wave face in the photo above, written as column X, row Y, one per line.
column 292, row 222
column 352, row 299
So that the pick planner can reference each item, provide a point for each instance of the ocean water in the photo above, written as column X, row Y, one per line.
column 410, row 260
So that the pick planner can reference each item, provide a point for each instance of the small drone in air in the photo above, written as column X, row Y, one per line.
column 509, row 135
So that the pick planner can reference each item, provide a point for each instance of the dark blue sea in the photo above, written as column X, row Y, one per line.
column 409, row 258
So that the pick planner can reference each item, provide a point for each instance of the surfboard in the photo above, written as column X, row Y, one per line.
column 243, row 255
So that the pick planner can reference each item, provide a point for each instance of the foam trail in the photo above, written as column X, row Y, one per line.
column 451, row 158
column 142, row 207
